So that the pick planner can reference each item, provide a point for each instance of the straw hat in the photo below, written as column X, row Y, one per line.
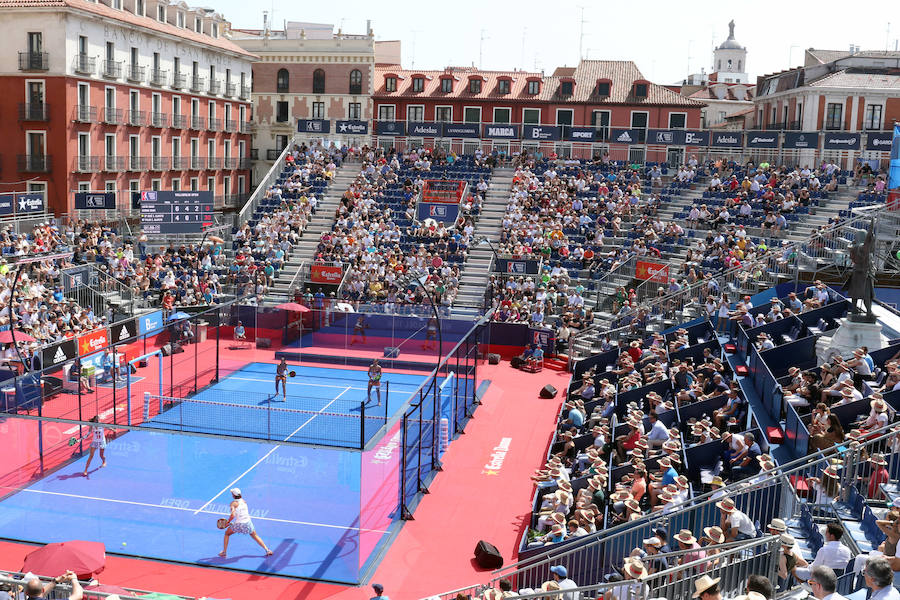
column 727, row 504
column 878, row 405
column 715, row 534
column 878, row 459
column 778, row 525
column 633, row 505
column 788, row 540
column 653, row 541
column 793, row 371
column 717, row 480
column 685, row 536
column 621, row 496
column 635, row 569
column 557, row 529
column 703, row 584
column 831, row 471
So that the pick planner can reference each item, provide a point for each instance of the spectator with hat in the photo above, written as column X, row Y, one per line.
column 707, row 588
column 735, row 524
column 561, row 576
column 379, row 592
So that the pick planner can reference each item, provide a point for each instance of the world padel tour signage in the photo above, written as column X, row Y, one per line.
column 95, row 200
column 165, row 212
column 515, row 266
column 313, row 126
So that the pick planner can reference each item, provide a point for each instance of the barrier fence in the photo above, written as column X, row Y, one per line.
column 13, row 583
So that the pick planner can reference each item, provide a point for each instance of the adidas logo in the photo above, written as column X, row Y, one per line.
column 60, row 356
column 624, row 137
column 124, row 334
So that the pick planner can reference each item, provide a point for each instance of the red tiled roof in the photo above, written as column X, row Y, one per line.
column 708, row 93
column 124, row 16
column 432, row 85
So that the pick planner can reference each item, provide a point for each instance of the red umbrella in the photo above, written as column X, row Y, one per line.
column 6, row 337
column 293, row 306
column 108, row 589
column 84, row 558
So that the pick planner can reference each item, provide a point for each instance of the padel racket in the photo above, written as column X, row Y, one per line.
column 73, row 441
column 222, row 523
column 293, row 373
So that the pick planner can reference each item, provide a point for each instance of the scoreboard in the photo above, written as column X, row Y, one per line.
column 165, row 212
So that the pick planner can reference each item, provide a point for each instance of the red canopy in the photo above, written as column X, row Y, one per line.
column 293, row 306
column 84, row 558
column 6, row 337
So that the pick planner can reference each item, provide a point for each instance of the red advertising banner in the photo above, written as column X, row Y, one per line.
column 652, row 271
column 443, row 191
column 325, row 274
column 93, row 341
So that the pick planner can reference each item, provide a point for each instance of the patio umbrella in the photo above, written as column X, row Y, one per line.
column 293, row 306
column 84, row 558
column 108, row 589
column 6, row 337
column 178, row 315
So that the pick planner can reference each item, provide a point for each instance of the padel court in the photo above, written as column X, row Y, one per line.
column 322, row 510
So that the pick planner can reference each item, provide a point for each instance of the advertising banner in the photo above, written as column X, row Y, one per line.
column 313, row 126
column 625, row 136
column 842, row 141
column 696, row 138
column 351, row 127
column 666, row 137
column 541, row 132
column 390, row 128
column 444, row 213
column 150, row 323
column 727, row 139
column 504, row 131
column 543, row 339
column 95, row 200
column 762, row 139
column 581, row 134
column 517, row 266
column 92, row 341
column 58, row 353
column 124, row 331
column 331, row 274
column 893, row 200
column 801, row 139
column 423, row 129
column 879, row 141
column 652, row 271
column 461, row 130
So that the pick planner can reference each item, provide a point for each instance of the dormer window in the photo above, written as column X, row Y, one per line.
column 503, row 86
column 161, row 13
column 446, row 85
column 474, row 86
column 214, row 30
column 566, row 88
column 198, row 25
column 390, row 84
column 534, row 87
column 640, row 90
column 602, row 89
column 418, row 84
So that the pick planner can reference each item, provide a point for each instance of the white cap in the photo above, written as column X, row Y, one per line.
column 235, row 491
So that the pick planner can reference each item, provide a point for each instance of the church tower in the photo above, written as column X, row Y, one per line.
column 730, row 60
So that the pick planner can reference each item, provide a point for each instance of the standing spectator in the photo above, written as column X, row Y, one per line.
column 379, row 592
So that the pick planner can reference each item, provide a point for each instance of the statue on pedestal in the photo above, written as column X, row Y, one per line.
column 861, row 283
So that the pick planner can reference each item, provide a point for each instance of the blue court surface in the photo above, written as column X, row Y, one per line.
column 323, row 511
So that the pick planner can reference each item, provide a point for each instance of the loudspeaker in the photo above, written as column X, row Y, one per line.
column 548, row 391
column 263, row 342
column 493, row 359
column 515, row 362
column 487, row 556
column 166, row 349
column 391, row 352
column 176, row 348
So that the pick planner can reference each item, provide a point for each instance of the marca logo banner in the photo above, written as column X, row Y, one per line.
column 325, row 274
column 505, row 131
column 92, row 341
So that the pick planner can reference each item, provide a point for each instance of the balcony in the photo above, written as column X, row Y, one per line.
column 179, row 121
column 214, row 162
column 111, row 69
column 231, row 90
column 254, row 153
column 84, row 64
column 273, row 154
column 85, row 114
column 158, row 119
column 179, row 81
column 215, row 124
column 197, row 163
column 180, row 163
column 231, row 163
column 138, row 163
column 34, row 111
column 159, row 163
column 834, row 125
column 34, row 163
column 114, row 164
column 215, row 87
column 113, row 116
column 135, row 73
column 245, row 127
column 230, row 125
column 245, row 92
column 244, row 164
column 198, row 122
column 158, row 76
column 87, row 164
column 137, row 118
column 793, row 126
column 197, row 84
column 236, row 200
column 34, row 61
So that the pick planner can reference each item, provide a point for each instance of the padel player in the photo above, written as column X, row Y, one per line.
column 374, row 381
column 359, row 329
column 281, row 377
column 240, row 522
column 98, row 442
column 430, row 334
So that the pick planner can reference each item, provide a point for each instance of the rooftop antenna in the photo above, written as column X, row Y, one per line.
column 414, row 32
column 524, row 37
column 581, row 35
column 481, row 47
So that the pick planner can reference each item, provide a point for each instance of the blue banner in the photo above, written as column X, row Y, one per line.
column 625, row 136
column 7, row 204
column 801, row 139
column 894, row 172
column 516, row 266
column 95, row 200
column 313, row 126
column 503, row 131
column 390, row 128
column 880, row 141
column 727, row 139
column 581, row 134
column 541, row 132
column 544, row 339
column 696, row 138
column 423, row 129
column 666, row 137
column 762, row 139
column 842, row 141
column 150, row 323
column 462, row 130
column 443, row 213
column 351, row 127
column 29, row 203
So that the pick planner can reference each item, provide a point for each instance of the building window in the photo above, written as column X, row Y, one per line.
column 446, row 85
column 603, row 89
column 390, row 84
column 318, row 110
column 503, row 87
column 640, row 90
column 502, row 115
column 386, row 112
column 834, row 115
column 281, row 111
column 600, row 122
column 161, row 13
column 534, row 87
column 281, row 142
column 472, row 114
column 531, row 116
column 355, row 81
column 873, row 116
column 318, row 81
column 677, row 120
column 283, row 81
column 415, row 113
column 354, row 111
column 418, row 84
column 139, row 7
column 443, row 113
column 474, row 86
column 565, row 88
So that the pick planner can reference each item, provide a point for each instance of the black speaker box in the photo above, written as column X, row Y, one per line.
column 263, row 342
column 166, row 349
column 487, row 556
column 391, row 352
column 493, row 359
column 548, row 391
column 515, row 362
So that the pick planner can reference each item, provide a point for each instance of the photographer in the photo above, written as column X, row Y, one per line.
column 35, row 589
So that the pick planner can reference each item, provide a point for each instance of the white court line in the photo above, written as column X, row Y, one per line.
column 208, row 512
column 274, row 448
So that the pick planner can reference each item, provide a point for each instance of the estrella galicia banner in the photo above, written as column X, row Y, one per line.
column 842, row 141
column 515, row 266
column 390, row 128
column 123, row 331
column 150, row 323
column 625, row 136
column 801, row 139
column 351, row 127
column 696, row 138
column 543, row 339
column 762, row 139
column 423, row 129
column 666, row 137
column 461, row 130
column 95, row 200
column 442, row 213
column 581, row 134
column 29, row 203
column 313, row 126
column 880, row 141
column 541, row 132
column 58, row 353
column 8, row 201
column 727, row 139
column 504, row 131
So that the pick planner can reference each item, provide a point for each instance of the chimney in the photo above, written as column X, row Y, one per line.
column 266, row 23
column 369, row 27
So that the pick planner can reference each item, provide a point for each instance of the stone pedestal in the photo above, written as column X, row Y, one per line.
column 848, row 337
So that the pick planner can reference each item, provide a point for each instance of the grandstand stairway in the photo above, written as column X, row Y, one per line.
column 476, row 270
column 322, row 220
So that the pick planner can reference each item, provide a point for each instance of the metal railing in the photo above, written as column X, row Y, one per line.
column 14, row 581
column 34, row 163
column 159, row 163
column 245, row 127
column 34, row 61
column 179, row 81
column 215, row 124
column 230, row 89
column 197, row 84
column 109, row 285
column 112, row 116
column 198, row 122
column 245, row 92
column 158, row 76
column 135, row 73
column 230, row 125
column 114, row 163
column 260, row 192
column 34, row 111
column 87, row 164
column 214, row 87
column 138, row 163
column 136, row 118
column 180, row 163
column 85, row 114
column 84, row 64
column 179, row 121
column 159, row 119
column 214, row 162
column 111, row 69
